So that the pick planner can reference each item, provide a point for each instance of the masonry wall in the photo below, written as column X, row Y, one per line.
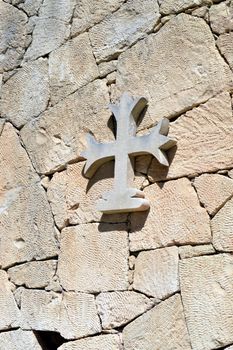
column 70, row 277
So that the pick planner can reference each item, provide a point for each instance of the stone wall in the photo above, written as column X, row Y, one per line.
column 71, row 278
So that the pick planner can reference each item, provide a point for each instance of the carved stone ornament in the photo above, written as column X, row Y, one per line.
column 122, row 197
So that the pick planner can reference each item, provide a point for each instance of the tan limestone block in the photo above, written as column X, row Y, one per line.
column 173, row 84
column 100, row 342
column 188, row 251
column 71, row 66
column 175, row 6
column 31, row 7
column 162, row 328
column 207, row 293
column 213, row 191
column 58, row 135
column 175, row 217
column 72, row 315
column 18, row 340
column 118, row 308
column 220, row 15
column 225, row 45
column 94, row 258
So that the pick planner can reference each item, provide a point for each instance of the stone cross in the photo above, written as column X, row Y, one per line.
column 122, row 197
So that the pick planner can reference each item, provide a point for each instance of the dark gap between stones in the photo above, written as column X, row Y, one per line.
column 49, row 340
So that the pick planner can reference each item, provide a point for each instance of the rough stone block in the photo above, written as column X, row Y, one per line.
column 188, row 251
column 220, row 15
column 175, row 6
column 225, row 45
column 100, row 342
column 19, row 340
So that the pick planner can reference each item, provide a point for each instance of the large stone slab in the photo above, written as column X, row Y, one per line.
column 13, row 38
column 204, row 141
column 118, row 308
column 189, row 251
column 156, row 272
column 225, row 45
column 71, row 66
column 109, row 341
column 220, row 16
column 124, row 27
column 175, row 217
column 168, row 7
column 72, row 315
column 222, row 228
column 18, row 340
column 213, row 191
column 10, row 314
column 25, row 95
column 207, row 294
column 94, row 259
column 58, row 136
column 162, row 328
column 185, row 78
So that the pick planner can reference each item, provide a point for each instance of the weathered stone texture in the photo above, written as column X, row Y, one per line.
column 222, row 228
column 108, row 342
column 179, row 81
column 31, row 7
column 175, row 6
column 118, row 308
column 225, row 45
column 188, row 251
column 35, row 274
column 156, row 272
column 124, row 27
column 71, row 66
column 102, row 260
column 175, row 217
column 204, row 141
column 25, row 95
column 58, row 136
column 221, row 19
column 207, row 294
column 19, row 340
column 87, row 14
column 213, row 191
column 162, row 328
column 13, row 38
column 72, row 315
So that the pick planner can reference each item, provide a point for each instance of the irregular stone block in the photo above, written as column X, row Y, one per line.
column 162, row 328
column 109, row 341
column 118, row 308
column 13, row 38
column 35, row 274
column 207, row 294
column 175, row 217
column 156, row 272
column 10, row 314
column 25, row 95
column 188, row 251
column 61, row 10
column 175, row 6
column 222, row 228
column 72, row 315
column 213, row 191
column 94, row 259
column 225, row 45
column 71, row 66
column 107, row 67
column 221, row 17
column 123, row 28
column 204, row 141
column 185, row 80
column 86, row 14
column 31, row 7
column 52, row 141
column 18, row 340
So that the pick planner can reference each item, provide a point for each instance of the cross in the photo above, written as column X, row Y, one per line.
column 122, row 197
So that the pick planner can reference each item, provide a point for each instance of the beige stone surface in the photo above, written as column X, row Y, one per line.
column 156, row 272
column 184, row 80
column 19, row 340
column 31, row 7
column 58, row 136
column 87, row 14
column 204, row 141
column 207, row 294
column 35, row 274
column 107, row 67
column 222, row 229
column 175, row 6
column 162, row 328
column 175, row 217
column 108, row 342
column 10, row 314
column 213, row 191
column 230, row 173
column 26, row 94
column 94, row 258
column 73, row 197
column 72, row 315
column 123, row 28
column 118, row 308
column 188, row 251
column 71, row 66
column 221, row 19
column 13, row 36
column 225, row 45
